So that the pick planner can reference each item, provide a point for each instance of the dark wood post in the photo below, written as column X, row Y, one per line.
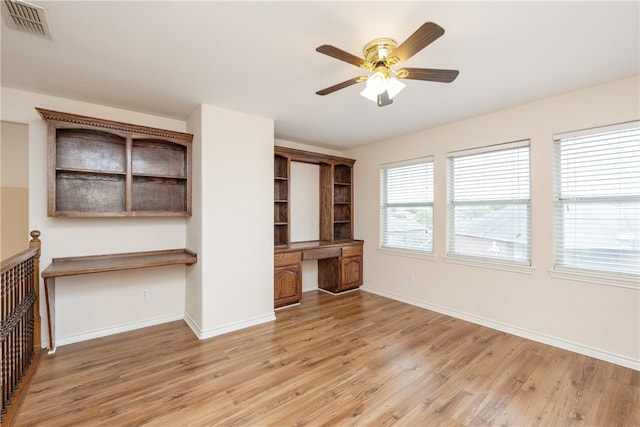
column 35, row 243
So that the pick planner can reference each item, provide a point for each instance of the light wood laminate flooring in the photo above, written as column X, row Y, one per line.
column 355, row 359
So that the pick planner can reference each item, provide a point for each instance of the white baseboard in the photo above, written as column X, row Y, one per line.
column 338, row 293
column 513, row 330
column 116, row 330
column 229, row 327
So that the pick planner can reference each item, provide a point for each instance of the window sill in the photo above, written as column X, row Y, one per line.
column 597, row 278
column 407, row 253
column 490, row 264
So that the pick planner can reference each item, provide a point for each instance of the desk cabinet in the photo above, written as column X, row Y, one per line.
column 342, row 273
column 287, row 287
column 339, row 268
column 287, row 279
column 351, row 270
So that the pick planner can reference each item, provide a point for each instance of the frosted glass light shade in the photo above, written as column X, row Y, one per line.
column 377, row 82
column 394, row 86
column 370, row 94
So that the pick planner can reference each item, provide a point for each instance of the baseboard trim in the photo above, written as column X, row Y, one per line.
column 118, row 329
column 338, row 293
column 523, row 333
column 284, row 307
column 203, row 334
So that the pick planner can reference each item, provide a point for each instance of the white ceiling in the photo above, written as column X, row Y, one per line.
column 167, row 57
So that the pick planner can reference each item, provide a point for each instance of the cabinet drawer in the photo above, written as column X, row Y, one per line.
column 280, row 260
column 352, row 250
column 321, row 253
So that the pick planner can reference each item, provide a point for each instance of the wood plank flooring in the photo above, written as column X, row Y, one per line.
column 354, row 359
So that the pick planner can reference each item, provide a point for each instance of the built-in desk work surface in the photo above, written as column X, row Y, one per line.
column 73, row 266
column 339, row 267
column 315, row 244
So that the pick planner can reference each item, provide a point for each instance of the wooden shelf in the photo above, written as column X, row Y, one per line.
column 74, row 266
column 99, row 167
column 281, row 172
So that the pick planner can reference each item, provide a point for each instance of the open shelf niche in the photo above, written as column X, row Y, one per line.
column 282, row 169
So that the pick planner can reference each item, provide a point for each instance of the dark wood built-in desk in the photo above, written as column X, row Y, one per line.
column 73, row 266
column 339, row 267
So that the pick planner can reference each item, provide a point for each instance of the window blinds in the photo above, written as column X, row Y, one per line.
column 407, row 205
column 597, row 200
column 489, row 203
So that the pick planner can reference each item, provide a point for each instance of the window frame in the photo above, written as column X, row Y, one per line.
column 383, row 247
column 455, row 255
column 561, row 269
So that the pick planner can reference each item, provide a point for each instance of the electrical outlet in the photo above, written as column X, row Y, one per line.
column 412, row 278
column 144, row 294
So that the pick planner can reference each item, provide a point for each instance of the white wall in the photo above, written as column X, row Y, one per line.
column 304, row 214
column 232, row 223
column 95, row 305
column 600, row 320
column 304, row 202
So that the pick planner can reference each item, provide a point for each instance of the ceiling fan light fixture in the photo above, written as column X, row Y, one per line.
column 394, row 86
column 370, row 94
column 378, row 80
column 381, row 57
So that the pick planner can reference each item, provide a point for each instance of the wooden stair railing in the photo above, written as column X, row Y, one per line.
column 20, row 328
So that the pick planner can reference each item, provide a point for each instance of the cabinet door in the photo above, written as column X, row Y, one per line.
column 351, row 272
column 287, row 285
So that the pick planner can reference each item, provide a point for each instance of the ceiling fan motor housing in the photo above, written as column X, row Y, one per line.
column 378, row 50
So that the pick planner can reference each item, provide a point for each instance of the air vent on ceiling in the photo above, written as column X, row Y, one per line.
column 26, row 17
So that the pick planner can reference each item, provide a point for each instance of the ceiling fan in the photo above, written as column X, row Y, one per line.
column 380, row 56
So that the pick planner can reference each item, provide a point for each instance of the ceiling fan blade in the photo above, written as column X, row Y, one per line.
column 339, row 86
column 431, row 74
column 383, row 99
column 421, row 38
column 340, row 54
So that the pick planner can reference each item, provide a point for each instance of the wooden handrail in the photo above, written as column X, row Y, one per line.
column 20, row 330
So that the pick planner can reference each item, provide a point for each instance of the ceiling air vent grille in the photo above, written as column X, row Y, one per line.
column 26, row 17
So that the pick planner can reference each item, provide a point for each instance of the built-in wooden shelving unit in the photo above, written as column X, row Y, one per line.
column 101, row 168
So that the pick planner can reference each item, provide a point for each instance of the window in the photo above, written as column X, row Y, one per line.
column 597, row 200
column 407, row 205
column 489, row 205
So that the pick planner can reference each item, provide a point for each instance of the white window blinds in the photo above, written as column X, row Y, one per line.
column 406, row 214
column 489, row 204
column 597, row 200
